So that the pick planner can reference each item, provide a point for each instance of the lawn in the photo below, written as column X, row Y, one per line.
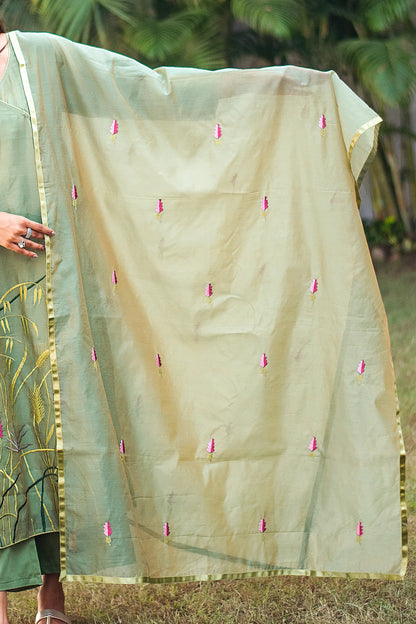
column 287, row 600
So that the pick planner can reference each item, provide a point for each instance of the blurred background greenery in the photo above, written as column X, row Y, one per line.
column 371, row 44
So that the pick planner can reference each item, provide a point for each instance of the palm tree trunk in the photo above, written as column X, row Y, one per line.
column 384, row 204
column 387, row 149
column 229, row 22
column 410, row 172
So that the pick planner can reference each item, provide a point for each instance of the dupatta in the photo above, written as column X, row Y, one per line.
column 223, row 386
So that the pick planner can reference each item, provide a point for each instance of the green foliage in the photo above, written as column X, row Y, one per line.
column 387, row 67
column 83, row 20
column 382, row 232
column 274, row 17
column 383, row 14
column 19, row 14
column 160, row 39
column 372, row 38
column 205, row 51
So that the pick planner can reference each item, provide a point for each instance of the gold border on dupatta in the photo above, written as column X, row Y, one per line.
column 51, row 316
column 374, row 123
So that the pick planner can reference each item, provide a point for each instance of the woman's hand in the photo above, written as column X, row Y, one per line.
column 13, row 230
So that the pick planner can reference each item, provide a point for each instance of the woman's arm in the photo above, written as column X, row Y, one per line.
column 14, row 229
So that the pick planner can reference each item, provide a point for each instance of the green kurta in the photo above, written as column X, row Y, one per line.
column 28, row 463
column 223, row 386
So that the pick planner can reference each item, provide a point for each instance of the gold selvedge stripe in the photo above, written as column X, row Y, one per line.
column 51, row 318
column 375, row 121
column 403, row 506
column 85, row 578
column 369, row 124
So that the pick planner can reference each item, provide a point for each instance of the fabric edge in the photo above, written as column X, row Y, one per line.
column 81, row 578
column 52, row 348
column 403, row 505
column 373, row 123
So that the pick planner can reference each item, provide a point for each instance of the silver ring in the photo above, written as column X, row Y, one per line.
column 22, row 244
column 28, row 233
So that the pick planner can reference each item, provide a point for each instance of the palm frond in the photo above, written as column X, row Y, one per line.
column 78, row 18
column 17, row 14
column 203, row 48
column 119, row 8
column 273, row 17
column 382, row 14
column 387, row 68
column 159, row 39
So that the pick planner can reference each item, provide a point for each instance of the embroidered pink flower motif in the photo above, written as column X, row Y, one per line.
column 361, row 368
column 114, row 129
column 159, row 207
column 114, row 278
column 208, row 290
column 107, row 533
column 359, row 531
column 322, row 124
column 313, row 289
column 217, row 133
column 264, row 204
column 262, row 525
column 313, row 445
column 74, row 195
column 211, row 448
column 166, row 529
column 158, row 361
column 122, row 449
column 263, row 361
column 94, row 356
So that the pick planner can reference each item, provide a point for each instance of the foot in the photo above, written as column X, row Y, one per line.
column 51, row 616
column 3, row 608
column 51, row 596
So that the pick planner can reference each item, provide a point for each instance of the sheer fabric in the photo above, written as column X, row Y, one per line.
column 223, row 386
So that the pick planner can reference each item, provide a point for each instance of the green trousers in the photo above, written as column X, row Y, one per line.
column 22, row 565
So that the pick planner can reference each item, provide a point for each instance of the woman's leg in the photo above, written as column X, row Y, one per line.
column 3, row 608
column 51, row 595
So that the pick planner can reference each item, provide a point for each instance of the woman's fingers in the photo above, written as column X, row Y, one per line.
column 29, row 244
column 37, row 235
column 26, row 252
column 21, row 250
column 15, row 229
column 38, row 230
column 23, row 243
column 24, row 232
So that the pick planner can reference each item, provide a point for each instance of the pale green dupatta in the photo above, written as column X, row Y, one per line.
column 223, row 385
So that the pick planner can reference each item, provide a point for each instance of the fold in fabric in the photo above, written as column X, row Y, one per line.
column 223, row 385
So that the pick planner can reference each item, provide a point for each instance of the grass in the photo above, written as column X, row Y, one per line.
column 287, row 600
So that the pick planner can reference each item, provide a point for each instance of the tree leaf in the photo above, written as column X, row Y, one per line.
column 387, row 68
column 276, row 17
column 158, row 39
column 382, row 14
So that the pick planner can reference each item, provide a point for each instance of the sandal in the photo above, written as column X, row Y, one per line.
column 52, row 613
